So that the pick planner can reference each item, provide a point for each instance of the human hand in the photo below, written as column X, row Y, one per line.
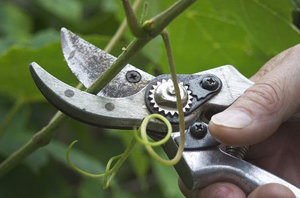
column 265, row 116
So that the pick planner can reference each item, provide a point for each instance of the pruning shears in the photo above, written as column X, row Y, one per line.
column 134, row 94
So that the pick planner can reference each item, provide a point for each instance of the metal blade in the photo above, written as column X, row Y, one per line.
column 88, row 62
column 97, row 110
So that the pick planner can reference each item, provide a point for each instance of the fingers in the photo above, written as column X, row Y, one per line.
column 228, row 190
column 272, row 191
column 262, row 108
column 217, row 190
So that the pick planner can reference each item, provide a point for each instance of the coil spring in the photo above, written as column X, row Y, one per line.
column 238, row 152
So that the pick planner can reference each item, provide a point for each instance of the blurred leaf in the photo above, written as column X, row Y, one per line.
column 44, row 37
column 14, row 22
column 48, row 183
column 119, row 193
column 5, row 44
column 89, row 188
column 16, row 136
column 82, row 160
column 138, row 158
column 69, row 10
column 15, row 78
column 297, row 4
column 167, row 178
column 15, row 26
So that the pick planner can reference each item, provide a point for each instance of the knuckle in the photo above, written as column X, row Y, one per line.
column 267, row 96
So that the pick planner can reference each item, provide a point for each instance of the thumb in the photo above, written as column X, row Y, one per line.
column 257, row 113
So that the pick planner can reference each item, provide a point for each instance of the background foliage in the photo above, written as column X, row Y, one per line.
column 243, row 33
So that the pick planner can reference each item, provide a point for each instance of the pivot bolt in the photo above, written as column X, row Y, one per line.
column 133, row 76
column 210, row 83
column 198, row 130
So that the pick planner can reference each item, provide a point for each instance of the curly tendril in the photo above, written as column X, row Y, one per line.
column 110, row 172
column 143, row 130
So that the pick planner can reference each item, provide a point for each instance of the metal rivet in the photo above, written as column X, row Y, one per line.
column 69, row 93
column 210, row 83
column 109, row 106
column 133, row 76
column 198, row 130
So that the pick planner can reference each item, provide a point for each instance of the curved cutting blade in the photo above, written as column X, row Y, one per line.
column 97, row 110
column 88, row 62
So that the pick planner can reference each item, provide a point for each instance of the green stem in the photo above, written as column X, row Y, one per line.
column 120, row 161
column 11, row 115
column 158, row 23
column 117, row 36
column 178, row 155
column 132, row 21
column 154, row 27
column 144, row 12
column 109, row 173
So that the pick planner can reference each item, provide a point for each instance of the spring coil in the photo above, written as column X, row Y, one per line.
column 238, row 152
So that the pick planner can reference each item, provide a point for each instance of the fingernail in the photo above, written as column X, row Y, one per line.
column 232, row 118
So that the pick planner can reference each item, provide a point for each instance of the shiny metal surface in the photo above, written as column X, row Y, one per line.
column 162, row 96
column 121, row 104
column 125, row 112
column 234, row 85
column 88, row 62
column 199, row 168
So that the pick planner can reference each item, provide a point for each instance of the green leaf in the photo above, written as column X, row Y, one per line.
column 138, row 158
column 243, row 33
column 15, row 78
column 297, row 4
column 82, row 160
column 69, row 10
column 16, row 136
column 15, row 26
column 14, row 22
column 167, row 178
column 89, row 188
column 43, row 38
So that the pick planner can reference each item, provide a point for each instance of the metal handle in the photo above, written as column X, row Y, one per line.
column 206, row 167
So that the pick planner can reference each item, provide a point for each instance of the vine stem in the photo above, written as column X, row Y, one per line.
column 143, row 127
column 153, row 27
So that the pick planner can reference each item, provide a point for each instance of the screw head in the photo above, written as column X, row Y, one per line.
column 198, row 130
column 210, row 83
column 133, row 76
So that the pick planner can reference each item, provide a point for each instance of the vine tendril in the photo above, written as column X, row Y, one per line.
column 110, row 172
column 143, row 129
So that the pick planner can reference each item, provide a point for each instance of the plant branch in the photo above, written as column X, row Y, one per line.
column 153, row 28
column 133, row 23
column 158, row 23
column 115, row 39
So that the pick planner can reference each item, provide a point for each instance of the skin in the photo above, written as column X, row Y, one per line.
column 267, row 117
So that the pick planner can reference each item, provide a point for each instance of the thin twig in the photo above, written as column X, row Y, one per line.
column 144, row 12
column 117, row 36
column 133, row 23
